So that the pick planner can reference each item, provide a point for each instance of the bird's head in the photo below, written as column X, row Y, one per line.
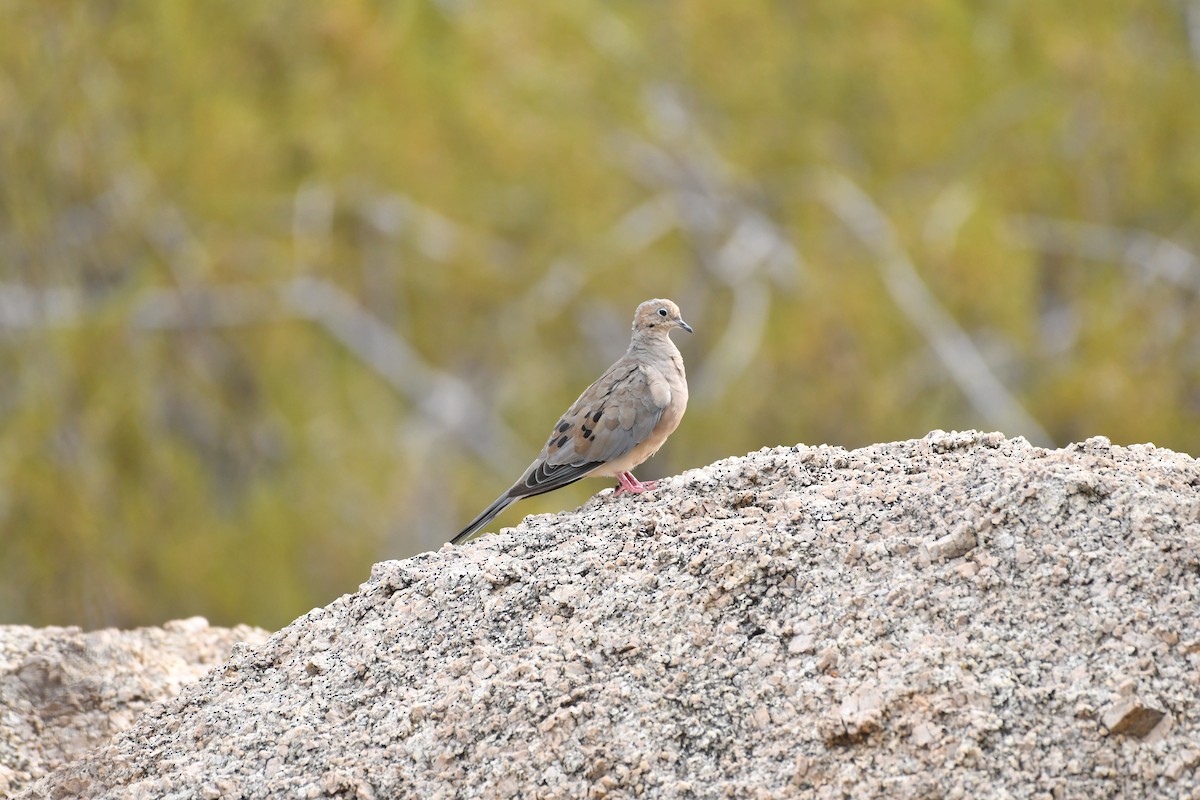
column 658, row 315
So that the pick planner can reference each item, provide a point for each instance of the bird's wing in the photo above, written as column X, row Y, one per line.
column 610, row 417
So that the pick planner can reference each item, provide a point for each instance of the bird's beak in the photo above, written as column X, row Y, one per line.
column 684, row 325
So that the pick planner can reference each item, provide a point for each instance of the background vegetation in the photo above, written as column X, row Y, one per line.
column 290, row 287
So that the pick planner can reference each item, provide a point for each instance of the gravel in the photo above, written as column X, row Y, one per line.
column 963, row 615
column 63, row 691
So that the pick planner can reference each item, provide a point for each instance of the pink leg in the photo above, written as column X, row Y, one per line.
column 628, row 483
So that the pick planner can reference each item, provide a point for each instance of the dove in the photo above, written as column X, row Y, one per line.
column 617, row 423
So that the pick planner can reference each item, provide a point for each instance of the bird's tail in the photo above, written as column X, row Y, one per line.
column 487, row 515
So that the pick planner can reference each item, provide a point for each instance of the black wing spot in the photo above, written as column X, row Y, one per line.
column 596, row 416
column 562, row 426
column 561, row 441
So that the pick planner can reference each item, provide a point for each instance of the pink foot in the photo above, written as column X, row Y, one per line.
column 630, row 484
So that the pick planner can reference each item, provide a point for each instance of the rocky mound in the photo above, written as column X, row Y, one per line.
column 63, row 692
column 958, row 616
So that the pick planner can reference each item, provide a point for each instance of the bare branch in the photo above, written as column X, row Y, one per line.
column 1191, row 24
column 1141, row 250
column 740, row 342
column 636, row 230
column 438, row 395
column 644, row 225
column 26, row 308
column 966, row 366
column 736, row 242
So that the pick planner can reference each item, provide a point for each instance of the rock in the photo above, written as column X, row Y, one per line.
column 925, row 734
column 783, row 628
column 859, row 715
column 1177, row 767
column 954, row 544
column 63, row 691
column 1132, row 717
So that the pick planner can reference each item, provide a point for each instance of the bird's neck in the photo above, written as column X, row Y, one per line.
column 654, row 343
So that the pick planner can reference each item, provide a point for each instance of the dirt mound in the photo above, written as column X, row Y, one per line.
column 958, row 616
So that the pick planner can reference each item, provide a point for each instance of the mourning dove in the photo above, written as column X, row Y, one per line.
column 617, row 423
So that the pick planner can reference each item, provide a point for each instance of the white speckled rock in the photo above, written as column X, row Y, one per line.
column 946, row 617
column 63, row 691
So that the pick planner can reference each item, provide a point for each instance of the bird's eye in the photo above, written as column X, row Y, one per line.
column 662, row 312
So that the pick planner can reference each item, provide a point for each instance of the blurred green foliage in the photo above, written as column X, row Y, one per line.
column 276, row 277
